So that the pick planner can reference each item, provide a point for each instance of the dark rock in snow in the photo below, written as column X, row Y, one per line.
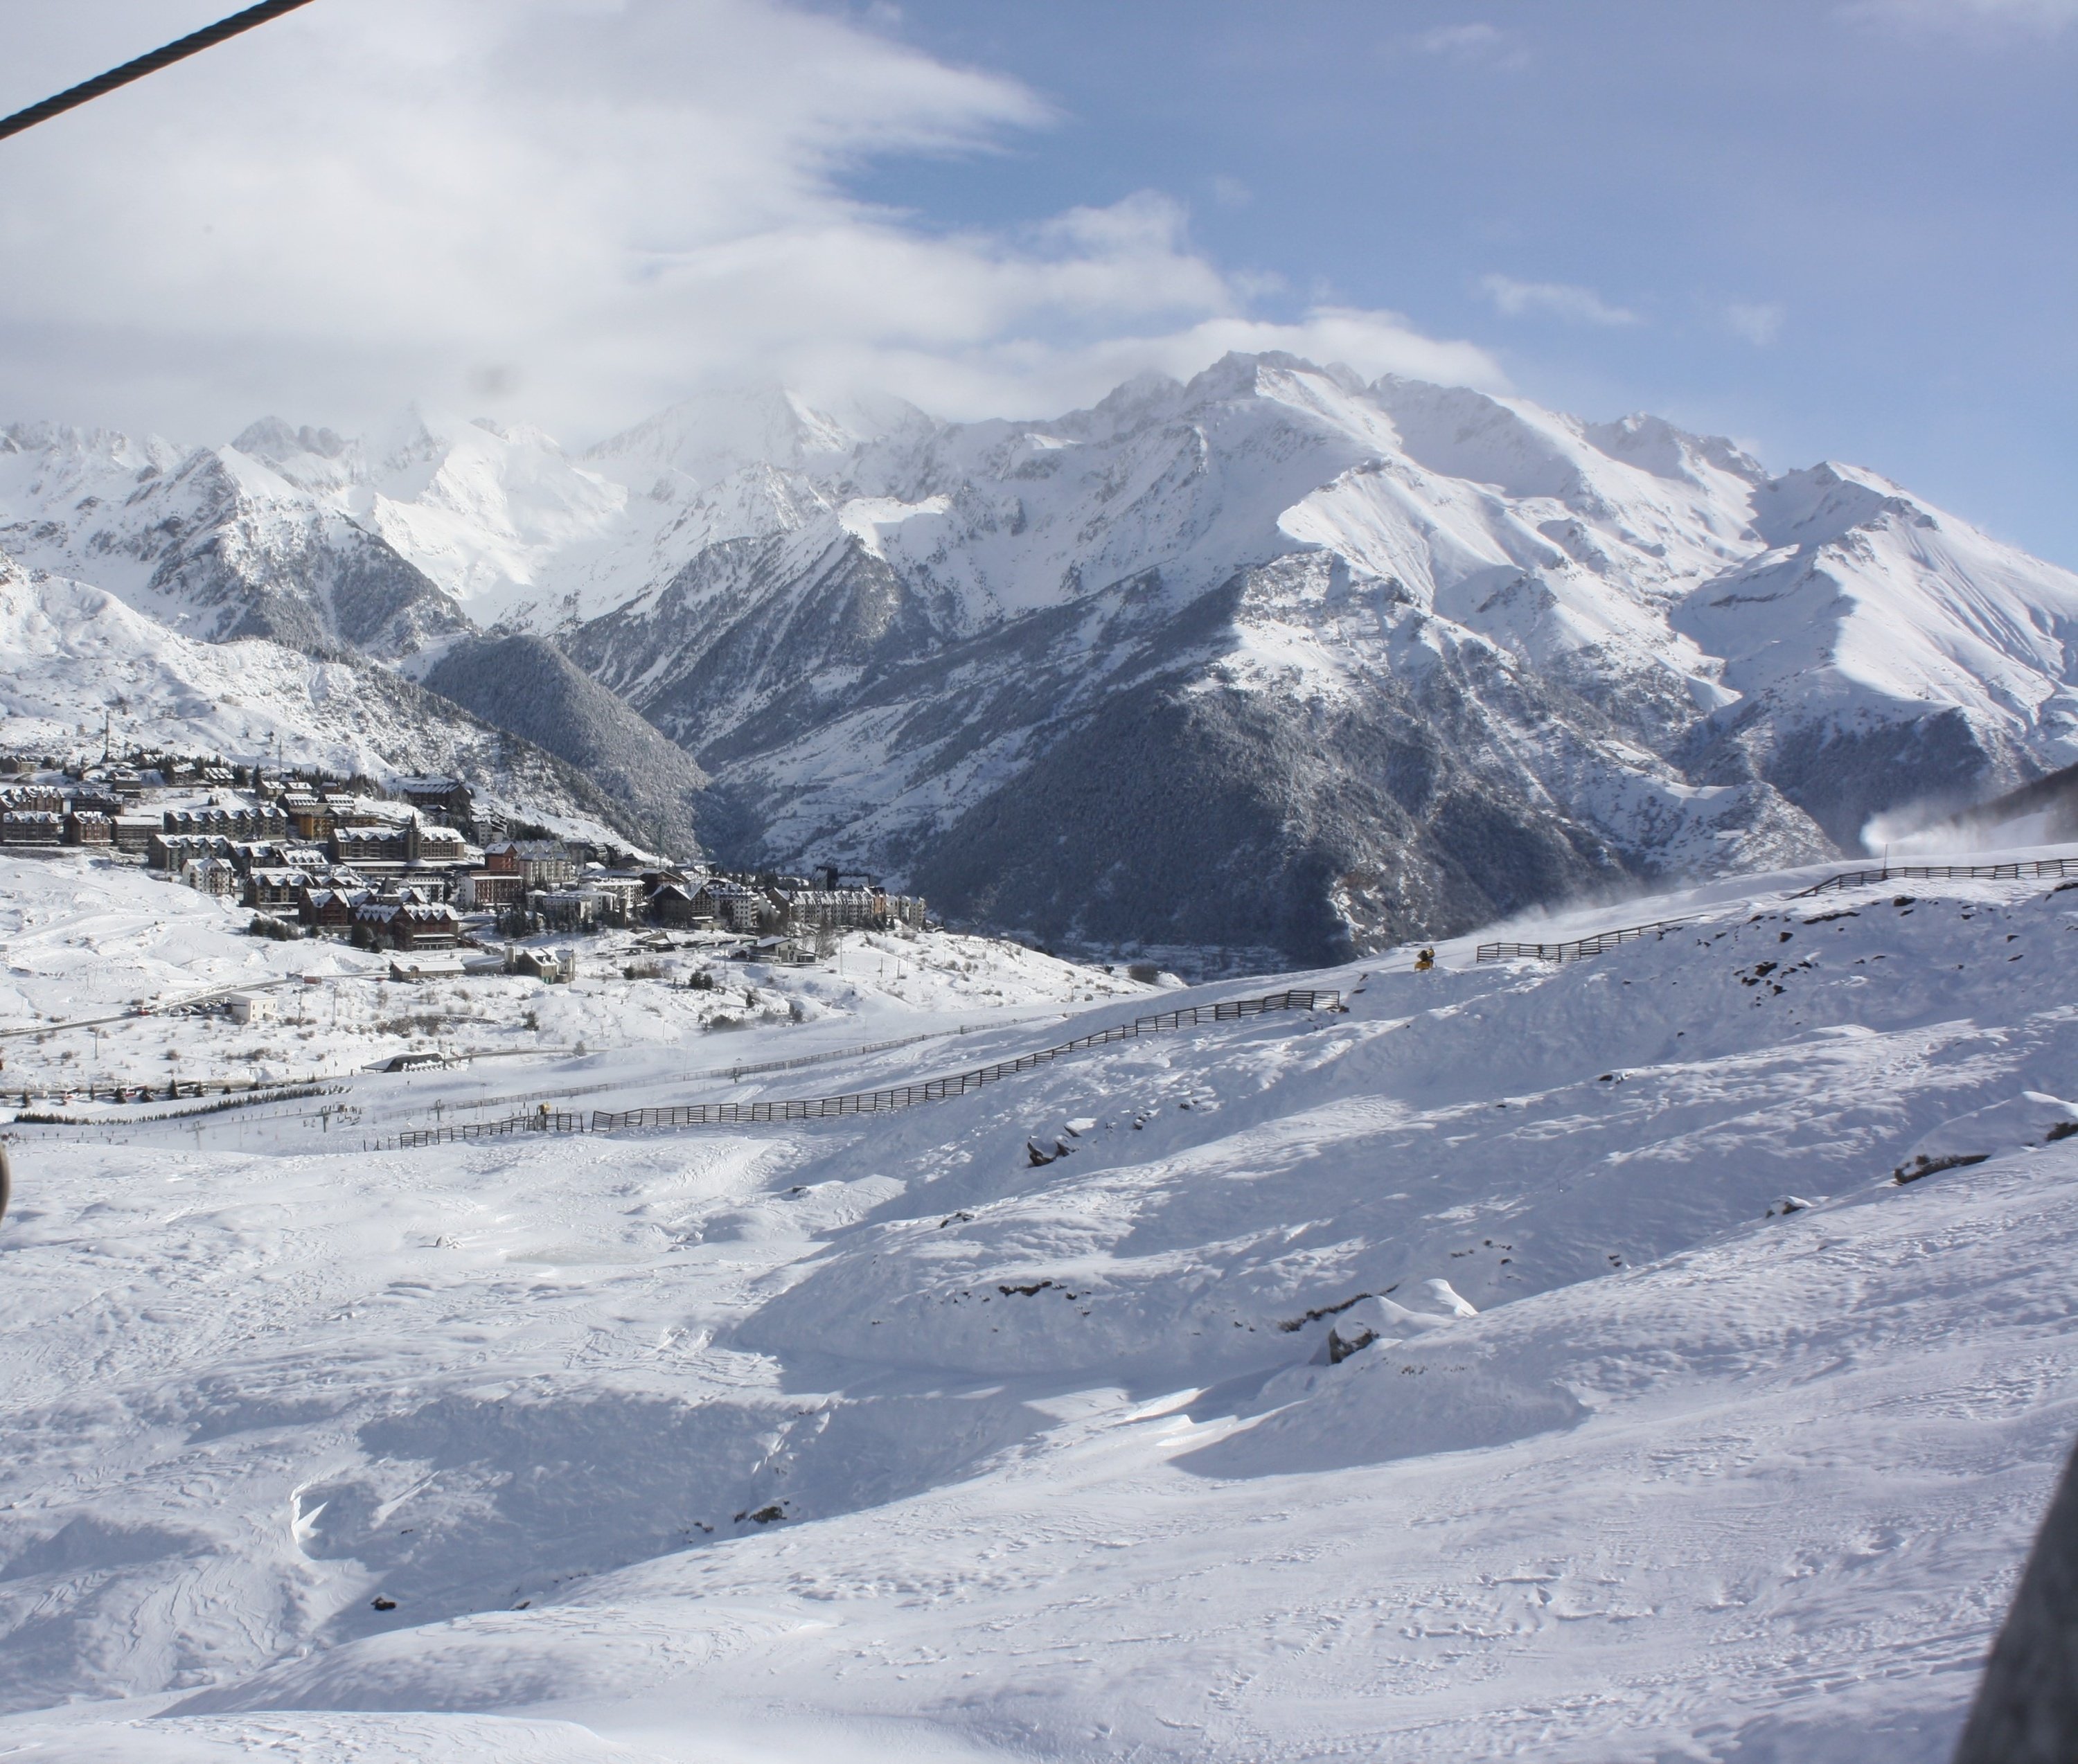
column 2026, row 1707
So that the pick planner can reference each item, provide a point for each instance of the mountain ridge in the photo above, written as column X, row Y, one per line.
column 1425, row 653
column 71, row 653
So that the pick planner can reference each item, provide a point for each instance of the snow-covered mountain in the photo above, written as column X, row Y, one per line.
column 1276, row 659
column 123, row 565
column 1279, row 658
column 214, row 543
column 70, row 653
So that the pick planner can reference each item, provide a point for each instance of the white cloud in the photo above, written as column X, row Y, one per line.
column 2004, row 17
column 1558, row 299
column 1759, row 322
column 1486, row 44
column 1032, row 376
column 588, row 207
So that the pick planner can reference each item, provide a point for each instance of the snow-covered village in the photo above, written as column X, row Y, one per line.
column 916, row 883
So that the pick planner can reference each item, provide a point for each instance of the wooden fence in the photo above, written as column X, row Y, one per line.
column 1579, row 947
column 1850, row 878
column 869, row 1101
column 168, row 1090
column 2014, row 872
column 544, row 1120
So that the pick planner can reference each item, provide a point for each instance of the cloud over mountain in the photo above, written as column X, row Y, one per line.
column 584, row 210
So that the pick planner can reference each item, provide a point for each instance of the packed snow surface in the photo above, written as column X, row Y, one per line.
column 1526, row 1361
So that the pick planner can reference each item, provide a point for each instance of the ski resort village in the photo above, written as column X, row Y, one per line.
column 395, row 867
column 415, row 886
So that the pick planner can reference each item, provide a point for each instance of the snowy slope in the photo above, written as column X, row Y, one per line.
column 86, row 939
column 214, row 543
column 70, row 653
column 872, row 1437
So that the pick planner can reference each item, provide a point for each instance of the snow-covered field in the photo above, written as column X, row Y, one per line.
column 86, row 939
column 1439, row 1378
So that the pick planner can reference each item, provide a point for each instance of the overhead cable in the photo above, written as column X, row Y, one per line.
column 179, row 51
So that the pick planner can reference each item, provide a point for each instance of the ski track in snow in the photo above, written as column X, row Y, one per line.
column 874, row 1438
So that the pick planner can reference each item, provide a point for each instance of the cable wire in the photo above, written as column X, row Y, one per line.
column 207, row 38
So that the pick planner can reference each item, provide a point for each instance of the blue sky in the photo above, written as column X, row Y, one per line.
column 1839, row 227
column 1826, row 228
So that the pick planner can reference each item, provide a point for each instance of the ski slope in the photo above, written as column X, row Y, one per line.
column 1445, row 1377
